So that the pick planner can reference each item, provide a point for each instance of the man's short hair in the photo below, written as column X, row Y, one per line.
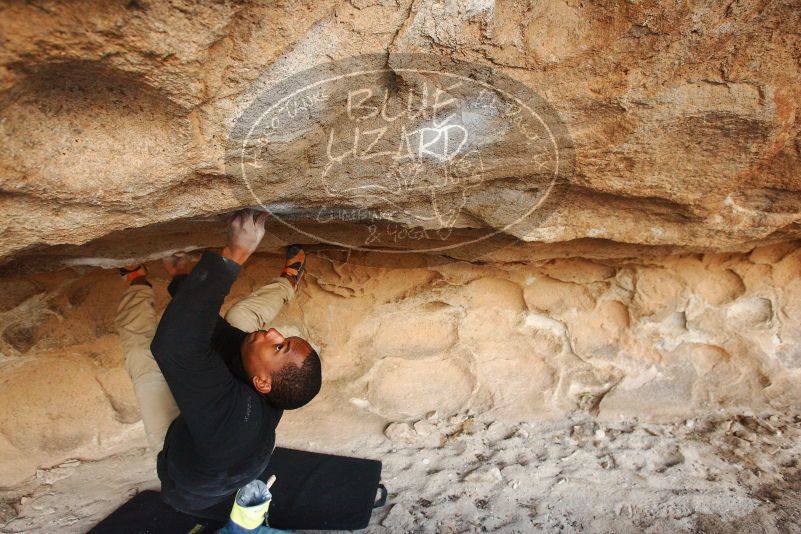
column 295, row 386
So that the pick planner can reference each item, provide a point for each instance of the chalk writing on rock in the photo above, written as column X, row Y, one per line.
column 414, row 154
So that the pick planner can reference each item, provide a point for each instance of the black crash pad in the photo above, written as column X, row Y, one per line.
column 312, row 491
column 146, row 513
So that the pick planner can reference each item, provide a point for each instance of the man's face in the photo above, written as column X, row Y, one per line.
column 268, row 351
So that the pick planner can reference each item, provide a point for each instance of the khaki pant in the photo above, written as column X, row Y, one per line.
column 136, row 324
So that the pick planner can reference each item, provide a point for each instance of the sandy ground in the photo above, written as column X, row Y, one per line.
column 724, row 472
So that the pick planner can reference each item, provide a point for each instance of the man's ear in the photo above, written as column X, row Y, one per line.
column 262, row 384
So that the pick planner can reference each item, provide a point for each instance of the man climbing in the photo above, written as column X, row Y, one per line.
column 212, row 390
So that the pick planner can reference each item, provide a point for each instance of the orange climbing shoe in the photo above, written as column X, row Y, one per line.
column 133, row 272
column 295, row 265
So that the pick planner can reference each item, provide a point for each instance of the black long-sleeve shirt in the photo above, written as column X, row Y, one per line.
column 225, row 433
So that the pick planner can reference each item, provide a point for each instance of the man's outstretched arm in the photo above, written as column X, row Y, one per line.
column 182, row 345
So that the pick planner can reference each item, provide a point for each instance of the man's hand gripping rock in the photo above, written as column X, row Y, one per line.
column 244, row 235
